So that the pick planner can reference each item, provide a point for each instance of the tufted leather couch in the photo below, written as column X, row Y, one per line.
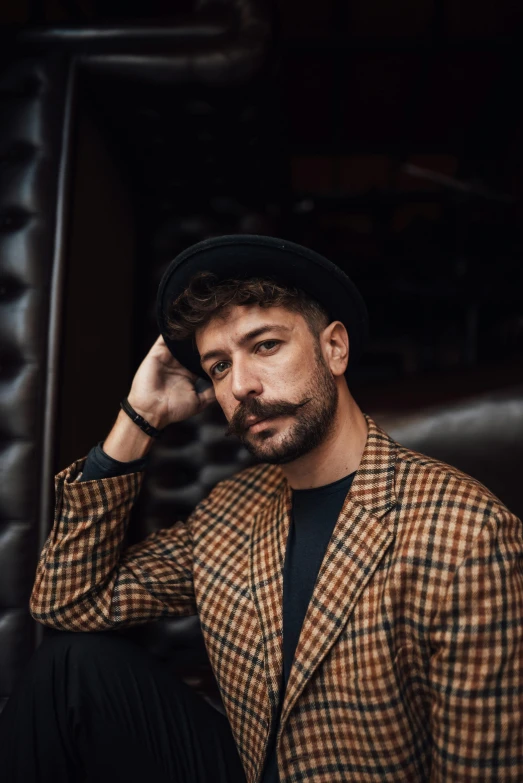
column 482, row 434
column 32, row 97
column 221, row 43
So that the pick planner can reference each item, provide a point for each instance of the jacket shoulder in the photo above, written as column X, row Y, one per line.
column 436, row 483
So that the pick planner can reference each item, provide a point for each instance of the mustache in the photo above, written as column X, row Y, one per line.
column 254, row 407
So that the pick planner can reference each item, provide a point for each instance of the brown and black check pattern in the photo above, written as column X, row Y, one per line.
column 409, row 666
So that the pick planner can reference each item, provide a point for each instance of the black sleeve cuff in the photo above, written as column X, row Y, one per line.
column 99, row 465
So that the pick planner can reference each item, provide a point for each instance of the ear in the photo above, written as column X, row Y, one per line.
column 334, row 341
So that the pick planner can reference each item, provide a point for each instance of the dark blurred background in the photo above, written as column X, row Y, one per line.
column 387, row 136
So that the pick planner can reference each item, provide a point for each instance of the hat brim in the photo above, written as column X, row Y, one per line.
column 241, row 256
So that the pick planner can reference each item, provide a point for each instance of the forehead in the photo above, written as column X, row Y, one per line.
column 236, row 321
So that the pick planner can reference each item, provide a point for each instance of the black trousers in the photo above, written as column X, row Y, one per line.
column 95, row 707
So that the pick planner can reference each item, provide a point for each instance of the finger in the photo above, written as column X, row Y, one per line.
column 206, row 397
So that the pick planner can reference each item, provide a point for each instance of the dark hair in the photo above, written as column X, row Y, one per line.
column 205, row 298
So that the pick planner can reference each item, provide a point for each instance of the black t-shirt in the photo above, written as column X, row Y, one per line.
column 314, row 515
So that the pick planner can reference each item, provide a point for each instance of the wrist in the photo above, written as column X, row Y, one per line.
column 126, row 441
column 152, row 417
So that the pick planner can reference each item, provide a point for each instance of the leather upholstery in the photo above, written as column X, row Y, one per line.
column 32, row 93
column 222, row 43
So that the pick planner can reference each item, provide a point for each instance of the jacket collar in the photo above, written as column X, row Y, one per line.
column 359, row 540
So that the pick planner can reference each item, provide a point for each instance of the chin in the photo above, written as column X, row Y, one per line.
column 274, row 452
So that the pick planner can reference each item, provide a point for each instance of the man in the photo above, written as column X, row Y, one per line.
column 361, row 604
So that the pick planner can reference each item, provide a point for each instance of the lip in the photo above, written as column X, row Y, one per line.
column 257, row 423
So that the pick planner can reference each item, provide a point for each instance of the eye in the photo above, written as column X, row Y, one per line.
column 215, row 368
column 268, row 342
column 215, row 372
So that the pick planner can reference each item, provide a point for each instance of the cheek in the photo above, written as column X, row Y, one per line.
column 290, row 373
column 226, row 403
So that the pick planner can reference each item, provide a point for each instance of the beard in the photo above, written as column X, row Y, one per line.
column 314, row 420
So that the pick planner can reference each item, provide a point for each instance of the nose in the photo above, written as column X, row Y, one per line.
column 244, row 382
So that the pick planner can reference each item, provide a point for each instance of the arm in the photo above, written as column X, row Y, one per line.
column 85, row 580
column 477, row 673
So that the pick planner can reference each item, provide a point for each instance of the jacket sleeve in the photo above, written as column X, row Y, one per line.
column 85, row 582
column 477, row 671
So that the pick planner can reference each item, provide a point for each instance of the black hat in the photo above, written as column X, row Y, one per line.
column 243, row 256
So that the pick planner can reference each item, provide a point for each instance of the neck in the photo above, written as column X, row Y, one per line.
column 339, row 455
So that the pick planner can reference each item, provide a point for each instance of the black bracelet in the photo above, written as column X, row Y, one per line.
column 139, row 420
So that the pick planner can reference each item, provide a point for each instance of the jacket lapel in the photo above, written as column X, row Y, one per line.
column 268, row 541
column 359, row 541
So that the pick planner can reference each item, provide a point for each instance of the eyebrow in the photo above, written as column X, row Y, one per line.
column 246, row 339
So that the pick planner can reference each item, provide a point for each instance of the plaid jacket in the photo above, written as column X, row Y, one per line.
column 409, row 665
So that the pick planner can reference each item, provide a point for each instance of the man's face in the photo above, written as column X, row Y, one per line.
column 265, row 364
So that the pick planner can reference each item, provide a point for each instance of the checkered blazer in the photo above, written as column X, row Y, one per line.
column 409, row 665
